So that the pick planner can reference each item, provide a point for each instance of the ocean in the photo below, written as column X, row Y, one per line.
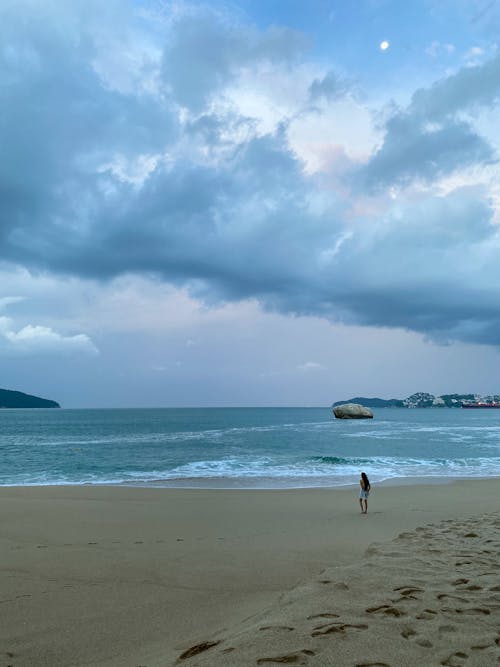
column 244, row 447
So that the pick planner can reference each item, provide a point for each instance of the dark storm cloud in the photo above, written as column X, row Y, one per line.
column 429, row 267
column 428, row 139
column 469, row 88
column 242, row 225
column 58, row 123
column 409, row 153
column 221, row 208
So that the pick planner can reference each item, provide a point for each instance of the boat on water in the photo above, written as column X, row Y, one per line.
column 480, row 405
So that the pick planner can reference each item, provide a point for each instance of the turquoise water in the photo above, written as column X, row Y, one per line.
column 252, row 447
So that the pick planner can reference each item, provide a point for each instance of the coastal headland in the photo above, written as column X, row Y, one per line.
column 18, row 399
column 120, row 576
column 425, row 400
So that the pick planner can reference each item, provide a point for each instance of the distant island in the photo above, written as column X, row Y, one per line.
column 424, row 400
column 16, row 399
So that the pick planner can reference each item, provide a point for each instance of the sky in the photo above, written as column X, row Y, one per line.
column 249, row 202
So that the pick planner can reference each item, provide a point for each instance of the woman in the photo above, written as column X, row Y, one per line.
column 364, row 492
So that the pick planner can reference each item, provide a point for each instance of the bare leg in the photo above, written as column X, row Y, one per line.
column 366, row 506
column 361, row 504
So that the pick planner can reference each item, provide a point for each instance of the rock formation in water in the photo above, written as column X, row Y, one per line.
column 352, row 411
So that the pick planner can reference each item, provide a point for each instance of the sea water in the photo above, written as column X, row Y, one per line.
column 244, row 448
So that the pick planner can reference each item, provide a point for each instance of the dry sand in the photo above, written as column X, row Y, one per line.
column 128, row 577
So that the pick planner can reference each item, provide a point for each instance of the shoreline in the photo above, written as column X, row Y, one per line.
column 114, row 575
column 217, row 485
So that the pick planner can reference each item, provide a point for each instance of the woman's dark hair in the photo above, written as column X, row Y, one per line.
column 366, row 481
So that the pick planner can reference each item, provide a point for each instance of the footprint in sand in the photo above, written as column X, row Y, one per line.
column 198, row 648
column 337, row 628
column 455, row 659
column 386, row 609
column 290, row 659
column 427, row 615
column 425, row 643
column 408, row 592
column 469, row 611
column 326, row 614
column 408, row 632
column 480, row 647
column 277, row 627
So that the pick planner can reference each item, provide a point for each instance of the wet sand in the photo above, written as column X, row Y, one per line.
column 128, row 576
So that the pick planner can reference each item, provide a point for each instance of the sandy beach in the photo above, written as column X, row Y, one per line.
column 133, row 576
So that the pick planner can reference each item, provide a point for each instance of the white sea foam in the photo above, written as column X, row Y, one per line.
column 312, row 473
column 291, row 453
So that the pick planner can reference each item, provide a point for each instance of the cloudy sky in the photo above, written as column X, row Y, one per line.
column 249, row 202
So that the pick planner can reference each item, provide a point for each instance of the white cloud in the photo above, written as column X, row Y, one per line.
column 37, row 339
column 43, row 339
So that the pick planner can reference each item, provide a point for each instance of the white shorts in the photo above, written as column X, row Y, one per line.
column 364, row 494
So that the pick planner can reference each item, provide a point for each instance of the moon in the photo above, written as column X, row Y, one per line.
column 384, row 45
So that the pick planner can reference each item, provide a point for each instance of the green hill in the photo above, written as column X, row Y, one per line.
column 373, row 402
column 16, row 399
column 422, row 400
